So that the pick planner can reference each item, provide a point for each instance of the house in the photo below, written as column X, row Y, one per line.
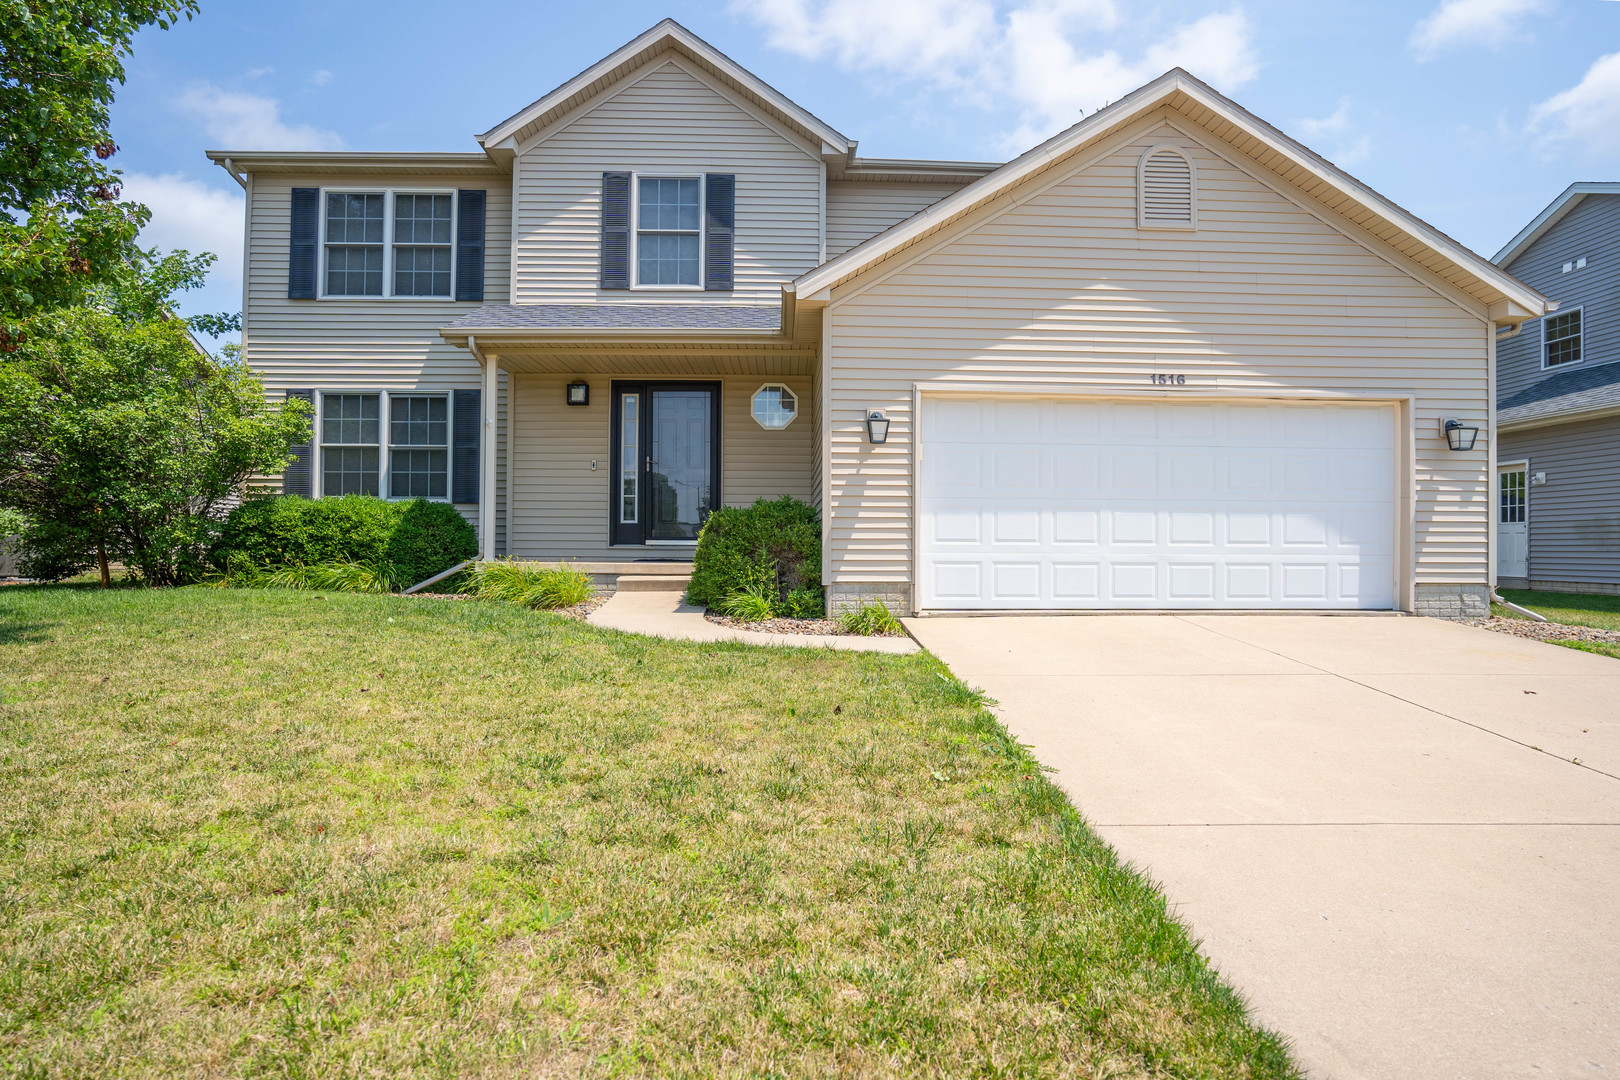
column 1558, row 402
column 1169, row 358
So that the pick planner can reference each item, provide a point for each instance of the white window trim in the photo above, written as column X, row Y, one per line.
column 635, row 228
column 1545, row 321
column 780, row 386
column 385, row 484
column 388, row 194
column 1141, row 190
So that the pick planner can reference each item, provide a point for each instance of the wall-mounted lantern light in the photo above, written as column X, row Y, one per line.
column 1460, row 436
column 877, row 428
column 579, row 393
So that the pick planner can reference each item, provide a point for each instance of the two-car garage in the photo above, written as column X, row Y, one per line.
column 1066, row 503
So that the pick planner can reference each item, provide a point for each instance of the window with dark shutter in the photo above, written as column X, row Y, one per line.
column 464, row 433
column 1166, row 190
column 303, row 242
column 470, row 245
column 719, row 239
column 295, row 478
column 615, row 269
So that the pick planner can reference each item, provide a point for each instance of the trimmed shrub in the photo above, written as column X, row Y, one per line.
column 777, row 541
column 405, row 542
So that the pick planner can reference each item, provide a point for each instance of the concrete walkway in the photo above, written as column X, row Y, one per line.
column 662, row 614
column 1377, row 826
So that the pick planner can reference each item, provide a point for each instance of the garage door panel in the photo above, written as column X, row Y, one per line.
column 1102, row 504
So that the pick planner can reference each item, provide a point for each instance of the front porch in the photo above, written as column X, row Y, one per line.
column 610, row 446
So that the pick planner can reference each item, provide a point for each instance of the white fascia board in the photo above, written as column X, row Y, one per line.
column 669, row 30
column 1552, row 215
column 1129, row 108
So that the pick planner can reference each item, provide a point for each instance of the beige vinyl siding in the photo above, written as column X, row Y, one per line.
column 561, row 503
column 859, row 210
column 668, row 121
column 362, row 344
column 1058, row 288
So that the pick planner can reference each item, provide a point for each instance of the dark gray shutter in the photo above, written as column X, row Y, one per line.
column 720, row 200
column 469, row 245
column 301, row 253
column 615, row 230
column 296, row 478
column 464, row 455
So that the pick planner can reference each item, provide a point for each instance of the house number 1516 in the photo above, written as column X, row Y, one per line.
column 1168, row 380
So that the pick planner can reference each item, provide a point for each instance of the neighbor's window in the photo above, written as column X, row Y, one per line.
column 668, row 230
column 354, row 243
column 349, row 444
column 418, row 446
column 1562, row 337
column 774, row 406
column 422, row 245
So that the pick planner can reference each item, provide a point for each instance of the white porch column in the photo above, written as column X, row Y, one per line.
column 488, row 401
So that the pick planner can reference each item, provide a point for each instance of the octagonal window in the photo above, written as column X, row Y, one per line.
column 774, row 406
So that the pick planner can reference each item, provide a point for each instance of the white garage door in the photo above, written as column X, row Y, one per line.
column 1102, row 504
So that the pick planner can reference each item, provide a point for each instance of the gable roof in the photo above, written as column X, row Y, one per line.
column 1510, row 300
column 1552, row 215
column 668, row 36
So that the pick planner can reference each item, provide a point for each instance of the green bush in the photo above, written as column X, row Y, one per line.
column 777, row 541
column 332, row 577
column 405, row 541
column 870, row 619
column 544, row 587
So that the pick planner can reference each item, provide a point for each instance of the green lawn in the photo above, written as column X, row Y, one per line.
column 1574, row 609
column 299, row 834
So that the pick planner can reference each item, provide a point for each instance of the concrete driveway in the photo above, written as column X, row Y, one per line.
column 1399, row 837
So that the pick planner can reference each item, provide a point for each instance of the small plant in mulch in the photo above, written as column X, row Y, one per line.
column 529, row 584
column 870, row 620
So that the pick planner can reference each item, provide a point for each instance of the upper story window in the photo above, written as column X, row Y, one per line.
column 1561, row 339
column 354, row 244
column 669, row 230
column 389, row 243
column 421, row 245
column 1166, row 190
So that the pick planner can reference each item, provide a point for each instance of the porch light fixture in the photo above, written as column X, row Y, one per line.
column 579, row 393
column 1460, row 436
column 877, row 428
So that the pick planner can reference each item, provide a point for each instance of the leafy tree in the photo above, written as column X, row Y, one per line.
column 120, row 438
column 62, row 228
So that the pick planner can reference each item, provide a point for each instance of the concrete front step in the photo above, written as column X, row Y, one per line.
column 673, row 583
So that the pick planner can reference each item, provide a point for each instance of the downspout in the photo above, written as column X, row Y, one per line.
column 486, row 486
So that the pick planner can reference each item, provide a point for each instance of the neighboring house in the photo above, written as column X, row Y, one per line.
column 1169, row 358
column 1558, row 402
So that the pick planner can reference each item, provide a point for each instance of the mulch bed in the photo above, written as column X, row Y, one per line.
column 829, row 627
column 1547, row 631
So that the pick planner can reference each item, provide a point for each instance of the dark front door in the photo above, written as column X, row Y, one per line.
column 666, row 460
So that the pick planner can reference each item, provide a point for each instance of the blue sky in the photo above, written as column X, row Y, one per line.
column 1471, row 113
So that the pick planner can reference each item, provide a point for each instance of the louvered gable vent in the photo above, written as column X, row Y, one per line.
column 1166, row 190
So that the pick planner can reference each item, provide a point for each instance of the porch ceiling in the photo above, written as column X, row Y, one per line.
column 649, row 359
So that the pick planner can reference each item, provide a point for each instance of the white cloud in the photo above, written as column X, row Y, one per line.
column 1051, row 59
column 321, row 77
column 1336, row 136
column 196, row 216
column 238, row 121
column 1456, row 23
column 1588, row 112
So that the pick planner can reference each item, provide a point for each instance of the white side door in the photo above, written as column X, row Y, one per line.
column 1512, row 521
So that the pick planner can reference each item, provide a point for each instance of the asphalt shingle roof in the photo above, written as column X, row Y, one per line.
column 1566, row 392
column 698, row 316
